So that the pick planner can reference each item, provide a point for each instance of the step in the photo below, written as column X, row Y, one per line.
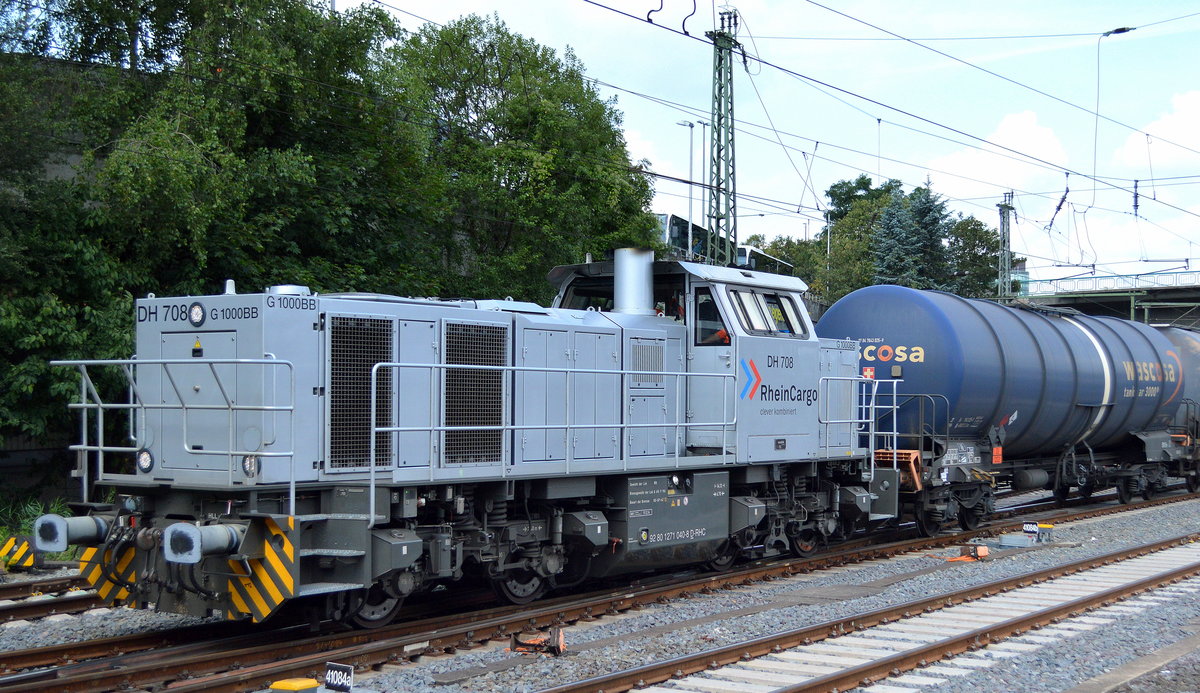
column 340, row 553
column 326, row 587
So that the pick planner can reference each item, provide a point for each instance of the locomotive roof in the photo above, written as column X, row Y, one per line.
column 709, row 273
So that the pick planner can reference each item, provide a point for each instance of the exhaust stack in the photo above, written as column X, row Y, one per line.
column 634, row 281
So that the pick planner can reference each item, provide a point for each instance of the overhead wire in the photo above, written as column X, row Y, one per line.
column 899, row 110
column 1009, row 79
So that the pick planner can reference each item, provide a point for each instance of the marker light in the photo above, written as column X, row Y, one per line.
column 196, row 314
column 250, row 465
column 145, row 461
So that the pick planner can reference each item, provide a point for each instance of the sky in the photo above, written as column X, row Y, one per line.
column 1028, row 97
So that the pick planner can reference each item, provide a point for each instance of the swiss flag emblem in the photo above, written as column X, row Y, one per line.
column 869, row 372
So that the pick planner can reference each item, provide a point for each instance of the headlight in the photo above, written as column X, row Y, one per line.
column 145, row 461
column 196, row 314
column 250, row 465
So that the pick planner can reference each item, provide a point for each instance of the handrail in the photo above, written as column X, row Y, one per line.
column 680, row 409
column 867, row 409
column 90, row 400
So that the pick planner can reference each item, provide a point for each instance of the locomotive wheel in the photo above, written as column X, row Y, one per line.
column 1124, row 493
column 968, row 518
column 805, row 543
column 725, row 557
column 519, row 587
column 377, row 609
column 1192, row 481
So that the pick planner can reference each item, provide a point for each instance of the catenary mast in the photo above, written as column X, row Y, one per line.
column 722, row 205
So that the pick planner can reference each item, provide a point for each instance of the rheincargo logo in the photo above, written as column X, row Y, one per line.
column 767, row 393
column 753, row 379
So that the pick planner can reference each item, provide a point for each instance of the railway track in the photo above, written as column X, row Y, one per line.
column 234, row 665
column 843, row 654
column 28, row 588
column 33, row 599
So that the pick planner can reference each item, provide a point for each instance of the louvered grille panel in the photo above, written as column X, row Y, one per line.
column 355, row 345
column 647, row 357
column 475, row 397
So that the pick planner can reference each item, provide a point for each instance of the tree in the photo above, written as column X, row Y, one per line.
column 535, row 162
column 974, row 248
column 851, row 241
column 328, row 151
column 844, row 194
column 897, row 249
column 932, row 223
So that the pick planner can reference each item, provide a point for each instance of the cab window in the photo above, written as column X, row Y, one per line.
column 767, row 313
column 710, row 327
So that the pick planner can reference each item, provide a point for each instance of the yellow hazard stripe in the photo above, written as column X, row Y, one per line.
column 246, row 584
column 23, row 557
column 282, row 572
column 8, row 545
column 126, row 559
column 238, row 602
column 287, row 542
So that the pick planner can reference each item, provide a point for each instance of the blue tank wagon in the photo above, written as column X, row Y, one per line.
column 1023, row 395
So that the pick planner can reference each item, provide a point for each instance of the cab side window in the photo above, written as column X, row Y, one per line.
column 710, row 328
column 769, row 314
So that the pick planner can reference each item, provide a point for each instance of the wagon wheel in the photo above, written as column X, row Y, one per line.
column 377, row 609
column 1147, row 490
column 1192, row 481
column 1061, row 493
column 519, row 586
column 1087, row 489
column 1124, row 492
column 929, row 522
column 969, row 518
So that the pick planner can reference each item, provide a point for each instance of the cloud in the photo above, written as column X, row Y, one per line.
column 994, row 173
column 1179, row 126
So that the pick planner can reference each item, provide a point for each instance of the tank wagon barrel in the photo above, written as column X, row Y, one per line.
column 1024, row 393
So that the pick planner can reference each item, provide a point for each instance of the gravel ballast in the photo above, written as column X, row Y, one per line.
column 1054, row 667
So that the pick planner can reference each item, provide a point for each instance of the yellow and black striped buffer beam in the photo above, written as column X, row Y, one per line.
column 18, row 554
column 99, row 570
column 260, row 585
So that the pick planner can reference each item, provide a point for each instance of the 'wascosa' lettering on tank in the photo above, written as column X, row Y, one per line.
column 900, row 354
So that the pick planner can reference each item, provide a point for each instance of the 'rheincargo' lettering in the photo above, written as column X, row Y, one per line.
column 791, row 393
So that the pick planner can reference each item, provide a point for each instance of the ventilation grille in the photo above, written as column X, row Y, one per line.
column 355, row 345
column 475, row 397
column 647, row 356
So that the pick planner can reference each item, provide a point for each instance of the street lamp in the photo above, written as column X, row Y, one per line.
column 691, row 152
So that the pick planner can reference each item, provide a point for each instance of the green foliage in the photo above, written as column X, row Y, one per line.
column 973, row 251
column 897, row 246
column 532, row 162
column 843, row 195
column 880, row 235
column 196, row 145
column 18, row 513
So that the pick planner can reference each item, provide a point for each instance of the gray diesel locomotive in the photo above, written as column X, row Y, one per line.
column 346, row 451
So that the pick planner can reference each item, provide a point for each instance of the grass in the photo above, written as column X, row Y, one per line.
column 17, row 516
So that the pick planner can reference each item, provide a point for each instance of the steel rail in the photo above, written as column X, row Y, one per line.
column 40, row 608
column 259, row 666
column 871, row 671
column 30, row 588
